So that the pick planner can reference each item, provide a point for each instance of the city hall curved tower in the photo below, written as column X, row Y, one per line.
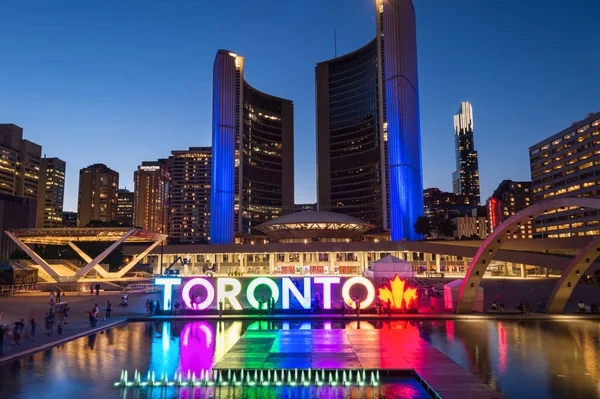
column 368, row 133
column 253, row 154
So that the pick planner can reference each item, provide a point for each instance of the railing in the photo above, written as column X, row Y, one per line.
column 18, row 288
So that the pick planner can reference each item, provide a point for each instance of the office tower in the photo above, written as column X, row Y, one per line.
column 20, row 158
column 509, row 198
column 51, row 192
column 151, row 206
column 15, row 213
column 125, row 201
column 437, row 202
column 368, row 138
column 567, row 165
column 253, row 153
column 465, row 180
column 98, row 185
column 69, row 219
column 305, row 207
column 190, row 173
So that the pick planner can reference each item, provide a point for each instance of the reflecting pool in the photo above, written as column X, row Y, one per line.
column 521, row 359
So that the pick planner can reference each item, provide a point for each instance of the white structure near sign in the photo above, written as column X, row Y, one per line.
column 451, row 291
column 390, row 266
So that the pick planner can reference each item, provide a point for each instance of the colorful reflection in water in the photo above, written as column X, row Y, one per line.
column 521, row 359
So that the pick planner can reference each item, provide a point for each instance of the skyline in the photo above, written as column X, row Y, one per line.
column 52, row 114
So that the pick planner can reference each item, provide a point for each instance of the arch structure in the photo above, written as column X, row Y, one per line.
column 494, row 242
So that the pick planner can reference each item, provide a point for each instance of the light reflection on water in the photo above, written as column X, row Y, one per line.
column 519, row 358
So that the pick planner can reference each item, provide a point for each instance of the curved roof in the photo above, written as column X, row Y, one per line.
column 317, row 224
column 313, row 217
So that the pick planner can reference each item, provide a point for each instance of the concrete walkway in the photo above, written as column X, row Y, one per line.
column 28, row 306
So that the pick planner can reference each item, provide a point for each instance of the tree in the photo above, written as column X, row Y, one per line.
column 423, row 226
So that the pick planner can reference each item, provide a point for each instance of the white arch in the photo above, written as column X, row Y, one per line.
column 494, row 242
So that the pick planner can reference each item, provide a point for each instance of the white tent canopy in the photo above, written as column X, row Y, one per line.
column 451, row 291
column 390, row 266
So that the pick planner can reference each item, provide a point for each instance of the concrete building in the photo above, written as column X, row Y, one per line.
column 21, row 163
column 470, row 227
column 448, row 204
column 125, row 201
column 69, row 219
column 15, row 213
column 465, row 180
column 190, row 172
column 151, row 206
column 305, row 207
column 98, row 185
column 509, row 198
column 253, row 153
column 368, row 138
column 567, row 164
column 51, row 192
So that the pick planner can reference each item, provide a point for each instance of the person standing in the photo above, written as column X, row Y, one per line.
column 92, row 289
column 57, row 296
column 389, row 306
column 342, row 307
column 108, row 309
column 33, row 327
column 357, row 304
column 51, row 298
column 2, row 335
column 220, row 307
column 272, row 305
column 97, row 289
column 261, row 301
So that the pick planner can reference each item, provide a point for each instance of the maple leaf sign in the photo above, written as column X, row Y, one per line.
column 400, row 295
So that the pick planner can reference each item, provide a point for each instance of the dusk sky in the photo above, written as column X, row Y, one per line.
column 124, row 81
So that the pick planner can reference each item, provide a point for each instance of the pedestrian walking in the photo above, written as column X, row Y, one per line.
column 66, row 310
column 58, row 296
column 108, row 308
column 33, row 327
column 389, row 306
column 357, row 303
column 51, row 322
column 92, row 289
column 97, row 289
column 342, row 308
column 18, row 331
column 220, row 307
column 51, row 298
column 272, row 305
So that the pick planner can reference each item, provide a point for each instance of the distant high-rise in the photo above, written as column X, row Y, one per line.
column 152, row 182
column 465, row 180
column 20, row 172
column 437, row 202
column 51, row 192
column 125, row 201
column 368, row 134
column 69, row 219
column 567, row 164
column 253, row 153
column 190, row 173
column 98, row 185
column 509, row 198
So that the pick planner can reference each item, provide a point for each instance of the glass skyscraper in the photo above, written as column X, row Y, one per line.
column 253, row 154
column 465, row 180
column 368, row 134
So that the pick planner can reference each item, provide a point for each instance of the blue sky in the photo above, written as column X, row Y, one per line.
column 125, row 81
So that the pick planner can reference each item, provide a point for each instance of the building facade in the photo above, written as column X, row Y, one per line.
column 509, row 198
column 472, row 227
column 151, row 204
column 69, row 219
column 125, row 201
column 448, row 204
column 15, row 213
column 253, row 153
column 21, row 163
column 190, row 173
column 98, row 185
column 305, row 207
column 368, row 135
column 465, row 180
column 567, row 164
column 51, row 193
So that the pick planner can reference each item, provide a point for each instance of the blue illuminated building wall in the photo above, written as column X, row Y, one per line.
column 402, row 111
column 226, row 81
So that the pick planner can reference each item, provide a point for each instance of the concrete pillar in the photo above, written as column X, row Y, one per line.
column 271, row 263
column 465, row 264
column 427, row 262
column 438, row 268
column 242, row 259
column 523, row 271
column 185, row 269
column 546, row 272
column 218, row 262
column 505, row 268
column 331, row 256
